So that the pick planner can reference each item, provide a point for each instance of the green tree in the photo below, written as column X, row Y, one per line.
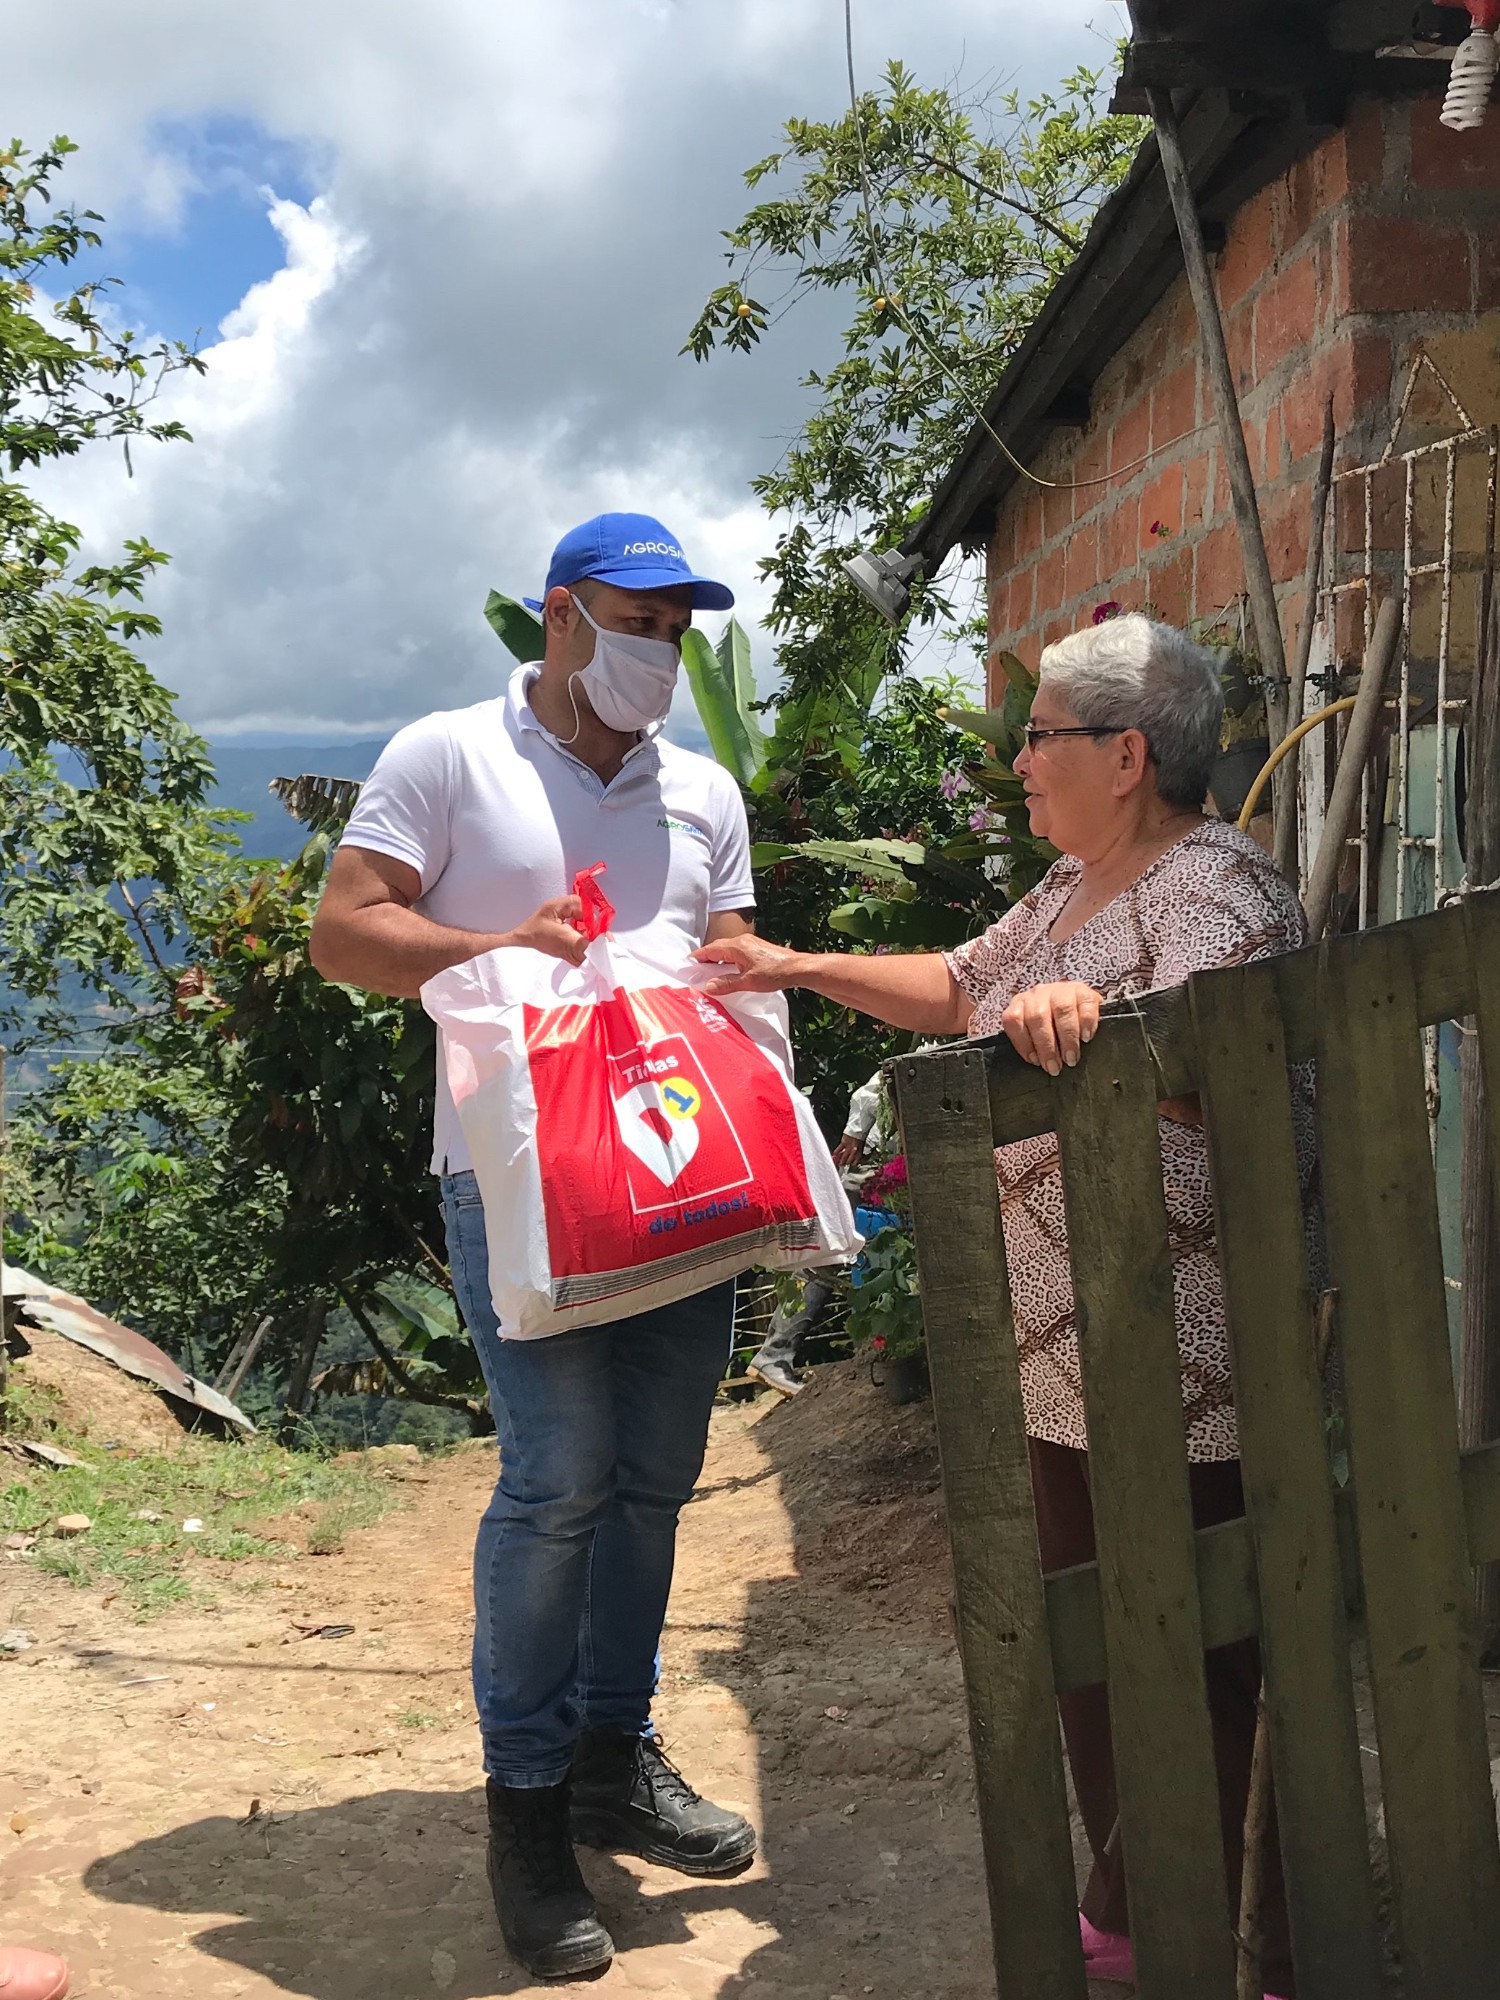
column 102, row 818
column 943, row 225
column 253, row 1141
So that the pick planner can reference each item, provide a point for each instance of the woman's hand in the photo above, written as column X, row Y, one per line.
column 1049, row 1025
column 751, row 964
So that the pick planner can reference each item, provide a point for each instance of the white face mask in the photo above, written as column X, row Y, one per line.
column 629, row 681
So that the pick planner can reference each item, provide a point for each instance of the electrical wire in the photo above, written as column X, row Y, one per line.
column 943, row 368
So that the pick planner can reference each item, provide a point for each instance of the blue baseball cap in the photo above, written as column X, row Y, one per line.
column 633, row 552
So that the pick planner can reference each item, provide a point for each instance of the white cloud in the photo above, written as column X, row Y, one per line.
column 471, row 340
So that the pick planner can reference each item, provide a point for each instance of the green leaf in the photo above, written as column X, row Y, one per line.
column 992, row 725
column 919, row 926
column 723, row 690
column 516, row 627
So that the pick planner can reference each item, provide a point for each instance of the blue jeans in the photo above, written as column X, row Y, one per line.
column 602, row 1432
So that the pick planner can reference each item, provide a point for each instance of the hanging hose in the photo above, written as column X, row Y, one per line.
column 1475, row 62
column 1288, row 742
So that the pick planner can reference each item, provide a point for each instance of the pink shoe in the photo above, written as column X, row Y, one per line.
column 31, row 1975
column 1106, row 1955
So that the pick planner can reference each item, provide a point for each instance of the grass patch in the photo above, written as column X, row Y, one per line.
column 418, row 1718
column 339, row 1516
column 233, row 1489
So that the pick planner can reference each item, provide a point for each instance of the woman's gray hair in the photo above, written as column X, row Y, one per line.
column 1132, row 673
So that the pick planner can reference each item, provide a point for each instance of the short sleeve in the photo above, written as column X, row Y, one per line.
column 1221, row 906
column 864, row 1109
column 731, row 885
column 979, row 965
column 404, row 806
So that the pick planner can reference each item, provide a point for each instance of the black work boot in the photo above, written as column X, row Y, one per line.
column 627, row 1796
column 545, row 1910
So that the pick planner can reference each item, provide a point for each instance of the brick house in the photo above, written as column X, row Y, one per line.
column 1352, row 234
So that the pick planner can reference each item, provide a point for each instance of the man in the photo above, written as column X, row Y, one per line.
column 465, row 840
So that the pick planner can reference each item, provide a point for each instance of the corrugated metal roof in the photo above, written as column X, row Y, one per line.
column 76, row 1320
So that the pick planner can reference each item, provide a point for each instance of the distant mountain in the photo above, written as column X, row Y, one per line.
column 245, row 771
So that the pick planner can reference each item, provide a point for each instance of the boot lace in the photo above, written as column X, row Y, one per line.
column 663, row 1781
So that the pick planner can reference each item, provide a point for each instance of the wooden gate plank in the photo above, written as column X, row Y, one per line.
column 1481, row 918
column 1289, row 1489
column 1122, row 1279
column 943, row 1099
column 1403, row 1447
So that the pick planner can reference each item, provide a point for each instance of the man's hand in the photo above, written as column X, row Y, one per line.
column 1049, row 1025
column 550, row 930
column 751, row 964
column 367, row 934
column 849, row 1151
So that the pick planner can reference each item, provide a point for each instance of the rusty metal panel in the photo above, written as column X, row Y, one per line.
column 129, row 1351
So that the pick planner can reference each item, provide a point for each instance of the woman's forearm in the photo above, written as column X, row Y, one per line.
column 915, row 991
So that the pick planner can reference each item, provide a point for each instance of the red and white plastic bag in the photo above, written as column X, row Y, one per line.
column 634, row 1139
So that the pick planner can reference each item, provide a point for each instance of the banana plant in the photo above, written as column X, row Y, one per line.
column 516, row 626
column 723, row 689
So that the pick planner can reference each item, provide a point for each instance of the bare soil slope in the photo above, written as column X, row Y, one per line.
column 218, row 1803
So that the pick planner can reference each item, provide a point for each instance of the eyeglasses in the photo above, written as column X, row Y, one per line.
column 1034, row 735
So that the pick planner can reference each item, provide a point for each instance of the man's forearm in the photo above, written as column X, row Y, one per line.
column 913, row 990
column 386, row 948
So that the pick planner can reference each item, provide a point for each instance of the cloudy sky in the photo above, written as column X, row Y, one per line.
column 441, row 260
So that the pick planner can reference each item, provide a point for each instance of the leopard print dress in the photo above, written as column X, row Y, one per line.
column 1212, row 899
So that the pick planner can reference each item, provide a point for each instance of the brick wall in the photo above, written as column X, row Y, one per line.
column 1386, row 237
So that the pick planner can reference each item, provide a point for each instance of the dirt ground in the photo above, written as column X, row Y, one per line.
column 216, row 1804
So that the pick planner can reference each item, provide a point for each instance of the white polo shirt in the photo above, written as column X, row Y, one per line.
column 497, row 818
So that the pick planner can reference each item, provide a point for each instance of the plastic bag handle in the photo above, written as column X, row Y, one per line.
column 598, row 910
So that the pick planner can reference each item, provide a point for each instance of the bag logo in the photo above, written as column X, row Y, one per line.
column 658, row 1122
column 680, row 1098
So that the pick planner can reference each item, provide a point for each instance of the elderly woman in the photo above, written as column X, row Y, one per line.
column 1123, row 734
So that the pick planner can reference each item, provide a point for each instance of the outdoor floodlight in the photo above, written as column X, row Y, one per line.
column 883, row 580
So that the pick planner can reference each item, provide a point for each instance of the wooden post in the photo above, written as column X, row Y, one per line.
column 307, row 1354
column 1343, row 803
column 1143, row 1524
column 1004, row 1643
column 1258, row 584
column 1479, row 1353
column 230, row 1385
column 1307, row 1714
column 1287, row 795
column 1386, row 1258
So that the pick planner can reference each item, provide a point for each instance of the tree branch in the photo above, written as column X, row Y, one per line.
column 146, row 938
column 424, row 1248
column 397, row 1370
column 1064, row 236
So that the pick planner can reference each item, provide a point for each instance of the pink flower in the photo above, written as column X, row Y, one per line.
column 980, row 821
column 877, row 1341
column 891, row 1175
column 952, row 783
column 1105, row 611
column 1160, row 528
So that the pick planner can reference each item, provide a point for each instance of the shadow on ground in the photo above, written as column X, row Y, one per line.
column 381, row 1895
column 830, row 1686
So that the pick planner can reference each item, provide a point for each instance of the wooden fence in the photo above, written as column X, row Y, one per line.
column 1309, row 1565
